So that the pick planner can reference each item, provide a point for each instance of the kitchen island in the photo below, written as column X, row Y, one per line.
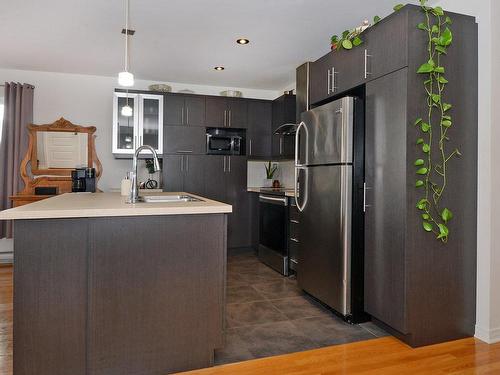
column 105, row 287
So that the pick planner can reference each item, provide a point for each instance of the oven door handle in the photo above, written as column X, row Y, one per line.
column 273, row 200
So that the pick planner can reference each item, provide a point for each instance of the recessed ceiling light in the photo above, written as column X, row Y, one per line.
column 242, row 41
column 219, row 68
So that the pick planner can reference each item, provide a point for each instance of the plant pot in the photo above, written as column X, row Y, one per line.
column 268, row 182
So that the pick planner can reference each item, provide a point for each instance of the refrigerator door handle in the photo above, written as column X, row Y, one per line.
column 299, row 166
column 365, row 188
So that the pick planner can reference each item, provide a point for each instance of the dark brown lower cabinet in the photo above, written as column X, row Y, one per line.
column 221, row 178
column 119, row 295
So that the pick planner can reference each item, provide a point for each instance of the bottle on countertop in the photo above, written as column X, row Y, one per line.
column 126, row 185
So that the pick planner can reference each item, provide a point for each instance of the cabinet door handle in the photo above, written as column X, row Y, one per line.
column 187, row 115
column 250, row 151
column 225, row 118
column 294, row 221
column 224, row 164
column 140, row 140
column 182, row 163
column 182, row 116
column 184, row 151
column 334, row 81
column 229, row 164
column 187, row 163
column 281, row 145
column 329, row 82
column 230, row 117
column 367, row 73
column 365, row 188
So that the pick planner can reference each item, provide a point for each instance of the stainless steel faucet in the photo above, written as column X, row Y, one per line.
column 134, row 191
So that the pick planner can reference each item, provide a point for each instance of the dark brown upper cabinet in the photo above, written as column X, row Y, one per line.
column 283, row 112
column 259, row 128
column 226, row 112
column 384, row 50
column 385, row 45
column 184, row 110
column 184, row 140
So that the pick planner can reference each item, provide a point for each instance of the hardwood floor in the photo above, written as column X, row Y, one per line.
column 385, row 356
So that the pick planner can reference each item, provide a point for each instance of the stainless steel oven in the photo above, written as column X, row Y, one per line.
column 273, row 232
column 225, row 141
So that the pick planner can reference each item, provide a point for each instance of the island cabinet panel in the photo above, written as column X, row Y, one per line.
column 50, row 297
column 156, row 292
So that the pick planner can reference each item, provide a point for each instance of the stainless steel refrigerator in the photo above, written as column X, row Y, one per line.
column 324, row 171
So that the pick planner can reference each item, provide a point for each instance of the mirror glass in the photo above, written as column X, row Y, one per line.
column 61, row 150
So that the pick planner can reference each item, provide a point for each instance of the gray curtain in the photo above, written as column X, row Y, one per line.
column 18, row 113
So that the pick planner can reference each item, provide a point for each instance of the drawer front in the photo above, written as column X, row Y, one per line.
column 294, row 231
column 294, row 213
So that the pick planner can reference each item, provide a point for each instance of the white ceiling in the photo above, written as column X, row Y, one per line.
column 178, row 40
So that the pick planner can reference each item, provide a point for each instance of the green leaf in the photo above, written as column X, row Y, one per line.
column 446, row 107
column 446, row 38
column 345, row 34
column 425, row 216
column 447, row 117
column 448, row 20
column 419, row 183
column 446, row 123
column 435, row 29
column 427, row 226
column 425, row 127
column 431, row 62
column 419, row 162
column 347, row 44
column 398, row 7
column 438, row 11
column 439, row 69
column 422, row 2
column 442, row 80
column 435, row 40
column 422, row 204
column 420, row 141
column 422, row 171
column 436, row 98
column 376, row 19
column 443, row 231
column 335, row 39
column 357, row 41
column 418, row 121
column 441, row 49
column 422, row 26
column 425, row 68
column 446, row 215
column 426, row 148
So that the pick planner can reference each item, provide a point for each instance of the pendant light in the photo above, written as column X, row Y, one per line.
column 126, row 78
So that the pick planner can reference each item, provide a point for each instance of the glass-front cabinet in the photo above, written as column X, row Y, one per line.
column 137, row 121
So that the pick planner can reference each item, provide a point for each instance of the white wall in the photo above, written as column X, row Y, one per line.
column 488, row 243
column 88, row 100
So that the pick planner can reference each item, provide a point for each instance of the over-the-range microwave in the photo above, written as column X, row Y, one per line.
column 221, row 141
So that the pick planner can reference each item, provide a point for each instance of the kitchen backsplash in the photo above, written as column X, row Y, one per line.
column 257, row 173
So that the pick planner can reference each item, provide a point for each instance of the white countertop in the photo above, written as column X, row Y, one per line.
column 73, row 205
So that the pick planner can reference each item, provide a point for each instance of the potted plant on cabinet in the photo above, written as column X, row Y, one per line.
column 271, row 169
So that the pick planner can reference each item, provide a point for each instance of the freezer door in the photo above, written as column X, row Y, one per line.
column 327, row 136
column 325, row 237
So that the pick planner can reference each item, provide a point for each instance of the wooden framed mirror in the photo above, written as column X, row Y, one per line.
column 54, row 150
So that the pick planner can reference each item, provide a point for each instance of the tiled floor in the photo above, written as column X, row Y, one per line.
column 267, row 314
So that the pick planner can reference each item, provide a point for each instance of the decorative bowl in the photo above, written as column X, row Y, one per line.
column 160, row 87
column 232, row 93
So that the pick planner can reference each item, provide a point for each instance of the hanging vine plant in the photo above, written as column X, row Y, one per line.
column 434, row 125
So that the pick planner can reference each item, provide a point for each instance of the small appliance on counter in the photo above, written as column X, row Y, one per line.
column 223, row 141
column 83, row 180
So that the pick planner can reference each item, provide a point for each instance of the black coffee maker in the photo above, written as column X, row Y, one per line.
column 83, row 179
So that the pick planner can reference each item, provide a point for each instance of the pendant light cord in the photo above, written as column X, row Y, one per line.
column 126, row 33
